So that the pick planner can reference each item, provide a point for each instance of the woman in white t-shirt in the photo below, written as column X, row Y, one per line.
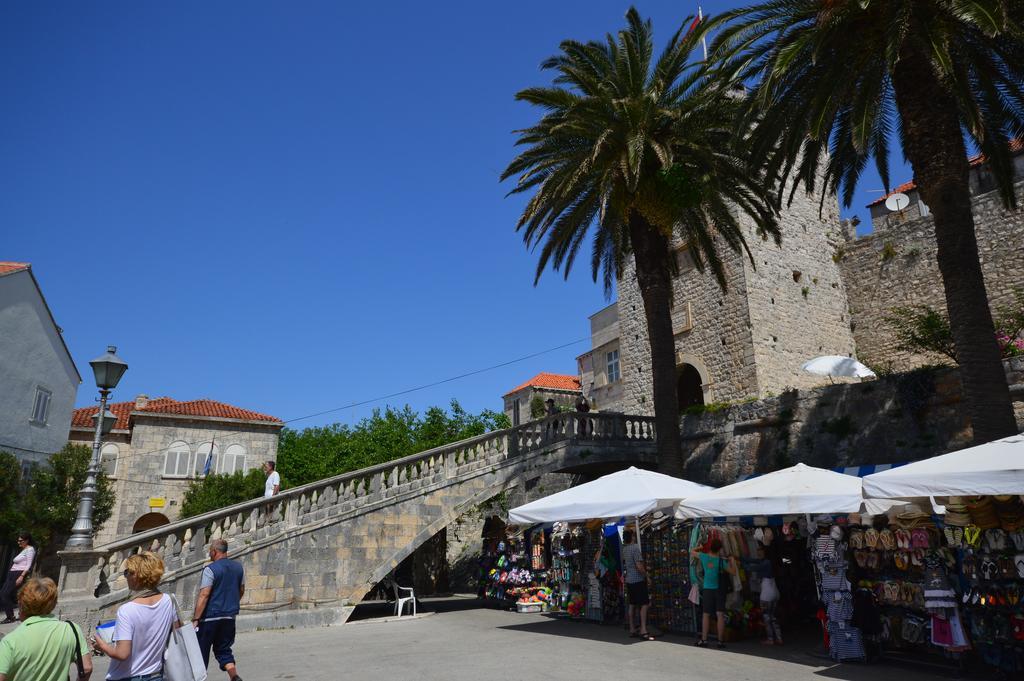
column 17, row 575
column 143, row 624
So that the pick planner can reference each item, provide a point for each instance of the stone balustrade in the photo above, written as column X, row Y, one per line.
column 94, row 579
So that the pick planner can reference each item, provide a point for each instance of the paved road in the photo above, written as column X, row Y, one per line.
column 481, row 645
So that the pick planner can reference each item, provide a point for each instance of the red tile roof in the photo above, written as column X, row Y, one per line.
column 165, row 405
column 1016, row 147
column 6, row 267
column 551, row 382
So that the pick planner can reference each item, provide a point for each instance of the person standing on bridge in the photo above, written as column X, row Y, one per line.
column 273, row 484
column 220, row 592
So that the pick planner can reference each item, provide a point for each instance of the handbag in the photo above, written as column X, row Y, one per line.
column 183, row 660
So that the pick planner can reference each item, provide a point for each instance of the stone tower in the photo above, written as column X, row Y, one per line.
column 749, row 340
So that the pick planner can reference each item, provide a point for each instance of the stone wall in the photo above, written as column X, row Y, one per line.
column 898, row 418
column 896, row 266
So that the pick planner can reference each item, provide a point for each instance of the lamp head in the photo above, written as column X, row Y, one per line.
column 109, row 418
column 108, row 369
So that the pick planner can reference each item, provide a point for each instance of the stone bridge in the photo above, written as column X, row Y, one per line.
column 313, row 552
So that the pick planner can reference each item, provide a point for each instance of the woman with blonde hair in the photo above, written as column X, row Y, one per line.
column 143, row 624
column 43, row 647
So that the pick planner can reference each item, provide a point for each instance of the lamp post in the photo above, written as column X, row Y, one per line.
column 108, row 370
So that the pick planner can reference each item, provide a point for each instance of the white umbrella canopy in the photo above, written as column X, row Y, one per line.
column 629, row 493
column 835, row 365
column 993, row 468
column 798, row 489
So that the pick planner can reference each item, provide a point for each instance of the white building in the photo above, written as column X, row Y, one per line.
column 38, row 378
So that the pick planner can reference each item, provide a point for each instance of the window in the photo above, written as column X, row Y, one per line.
column 41, row 407
column 613, row 366
column 108, row 459
column 199, row 461
column 233, row 459
column 684, row 261
column 515, row 412
column 176, row 460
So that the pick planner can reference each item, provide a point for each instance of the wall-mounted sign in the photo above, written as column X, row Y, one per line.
column 157, row 502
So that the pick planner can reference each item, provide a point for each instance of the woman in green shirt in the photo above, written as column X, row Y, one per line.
column 43, row 647
column 712, row 595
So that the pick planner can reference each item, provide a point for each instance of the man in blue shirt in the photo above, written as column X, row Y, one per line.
column 220, row 591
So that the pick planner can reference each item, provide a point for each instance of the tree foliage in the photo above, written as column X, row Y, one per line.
column 311, row 454
column 218, row 491
column 45, row 501
column 922, row 329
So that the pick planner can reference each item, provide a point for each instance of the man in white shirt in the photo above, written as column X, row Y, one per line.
column 273, row 484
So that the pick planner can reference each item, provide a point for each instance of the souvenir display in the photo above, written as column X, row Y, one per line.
column 667, row 557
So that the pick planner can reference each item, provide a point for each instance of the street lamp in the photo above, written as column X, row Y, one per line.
column 108, row 370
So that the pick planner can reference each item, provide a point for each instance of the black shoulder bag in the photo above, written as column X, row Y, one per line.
column 78, row 651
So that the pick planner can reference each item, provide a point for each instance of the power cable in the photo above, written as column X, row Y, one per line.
column 376, row 399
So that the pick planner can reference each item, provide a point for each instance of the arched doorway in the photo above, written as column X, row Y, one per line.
column 149, row 521
column 688, row 386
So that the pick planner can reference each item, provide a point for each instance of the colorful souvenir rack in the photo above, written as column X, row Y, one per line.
column 568, row 574
column 667, row 557
column 505, row 573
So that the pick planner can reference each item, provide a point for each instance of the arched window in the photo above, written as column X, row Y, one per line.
column 108, row 459
column 202, row 454
column 234, row 459
column 176, row 460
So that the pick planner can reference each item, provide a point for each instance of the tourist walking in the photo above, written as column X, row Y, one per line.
column 43, row 648
column 220, row 591
column 716, row 571
column 136, row 650
column 634, row 573
column 273, row 483
column 16, row 575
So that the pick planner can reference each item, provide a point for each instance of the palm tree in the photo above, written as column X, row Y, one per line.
column 834, row 81
column 640, row 153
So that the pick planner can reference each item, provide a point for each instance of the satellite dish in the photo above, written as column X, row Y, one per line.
column 897, row 202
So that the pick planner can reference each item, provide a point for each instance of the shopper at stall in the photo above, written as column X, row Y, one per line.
column 716, row 575
column 760, row 568
column 635, row 575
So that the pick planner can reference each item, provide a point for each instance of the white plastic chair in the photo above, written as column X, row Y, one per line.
column 400, row 600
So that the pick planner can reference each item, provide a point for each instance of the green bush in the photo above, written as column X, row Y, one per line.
column 218, row 491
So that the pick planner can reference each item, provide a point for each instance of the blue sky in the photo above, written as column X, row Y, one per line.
column 290, row 206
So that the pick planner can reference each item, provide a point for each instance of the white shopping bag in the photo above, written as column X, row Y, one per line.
column 183, row 661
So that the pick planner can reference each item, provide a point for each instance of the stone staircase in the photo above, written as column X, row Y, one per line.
column 312, row 552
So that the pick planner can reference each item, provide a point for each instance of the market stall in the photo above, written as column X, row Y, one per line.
column 959, row 577
column 587, row 581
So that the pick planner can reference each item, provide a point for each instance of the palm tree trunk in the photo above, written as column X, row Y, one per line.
column 653, row 274
column 933, row 143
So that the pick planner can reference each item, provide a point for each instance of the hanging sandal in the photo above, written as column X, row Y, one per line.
column 947, row 531
column 972, row 536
